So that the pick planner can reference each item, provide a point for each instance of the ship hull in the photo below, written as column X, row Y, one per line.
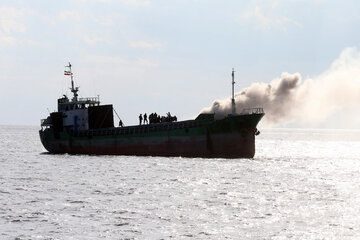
column 233, row 137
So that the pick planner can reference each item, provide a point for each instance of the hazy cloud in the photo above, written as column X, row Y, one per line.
column 105, row 21
column 13, row 19
column 146, row 62
column 94, row 39
column 69, row 16
column 137, row 3
column 7, row 40
column 266, row 17
column 120, row 61
column 143, row 44
column 100, row 1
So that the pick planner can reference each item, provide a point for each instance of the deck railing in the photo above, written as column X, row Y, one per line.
column 142, row 129
column 89, row 99
column 252, row 111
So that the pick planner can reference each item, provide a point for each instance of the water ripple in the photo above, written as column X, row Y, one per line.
column 299, row 185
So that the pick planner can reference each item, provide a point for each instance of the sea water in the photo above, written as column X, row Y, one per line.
column 302, row 184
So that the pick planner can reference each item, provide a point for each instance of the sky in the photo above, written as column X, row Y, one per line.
column 172, row 56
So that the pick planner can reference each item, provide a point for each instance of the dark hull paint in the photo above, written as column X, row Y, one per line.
column 232, row 137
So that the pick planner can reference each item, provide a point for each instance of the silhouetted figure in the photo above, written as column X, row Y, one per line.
column 151, row 117
column 121, row 123
column 168, row 118
column 145, row 119
column 157, row 118
column 140, row 119
column 154, row 118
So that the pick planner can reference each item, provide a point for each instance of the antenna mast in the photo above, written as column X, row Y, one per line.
column 233, row 99
column 74, row 90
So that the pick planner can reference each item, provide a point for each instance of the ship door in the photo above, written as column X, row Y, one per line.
column 75, row 123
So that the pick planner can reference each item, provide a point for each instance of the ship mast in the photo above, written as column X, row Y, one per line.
column 233, row 99
column 74, row 90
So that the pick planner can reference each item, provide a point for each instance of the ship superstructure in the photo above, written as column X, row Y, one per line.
column 79, row 114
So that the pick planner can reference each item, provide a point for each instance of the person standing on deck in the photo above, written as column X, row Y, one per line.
column 140, row 119
column 145, row 119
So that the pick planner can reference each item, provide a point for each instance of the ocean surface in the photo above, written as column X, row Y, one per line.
column 302, row 184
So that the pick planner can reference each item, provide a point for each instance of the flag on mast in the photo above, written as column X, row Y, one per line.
column 67, row 72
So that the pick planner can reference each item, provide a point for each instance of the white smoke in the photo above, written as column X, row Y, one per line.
column 290, row 99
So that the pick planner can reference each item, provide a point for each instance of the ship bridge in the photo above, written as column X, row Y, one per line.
column 65, row 104
column 78, row 113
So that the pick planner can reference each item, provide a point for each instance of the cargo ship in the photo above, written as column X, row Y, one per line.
column 84, row 126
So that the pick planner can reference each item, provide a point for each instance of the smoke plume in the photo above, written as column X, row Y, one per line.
column 290, row 99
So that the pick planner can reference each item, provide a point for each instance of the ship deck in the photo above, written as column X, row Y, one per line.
column 142, row 129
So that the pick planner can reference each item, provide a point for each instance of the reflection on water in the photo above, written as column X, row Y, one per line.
column 301, row 184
